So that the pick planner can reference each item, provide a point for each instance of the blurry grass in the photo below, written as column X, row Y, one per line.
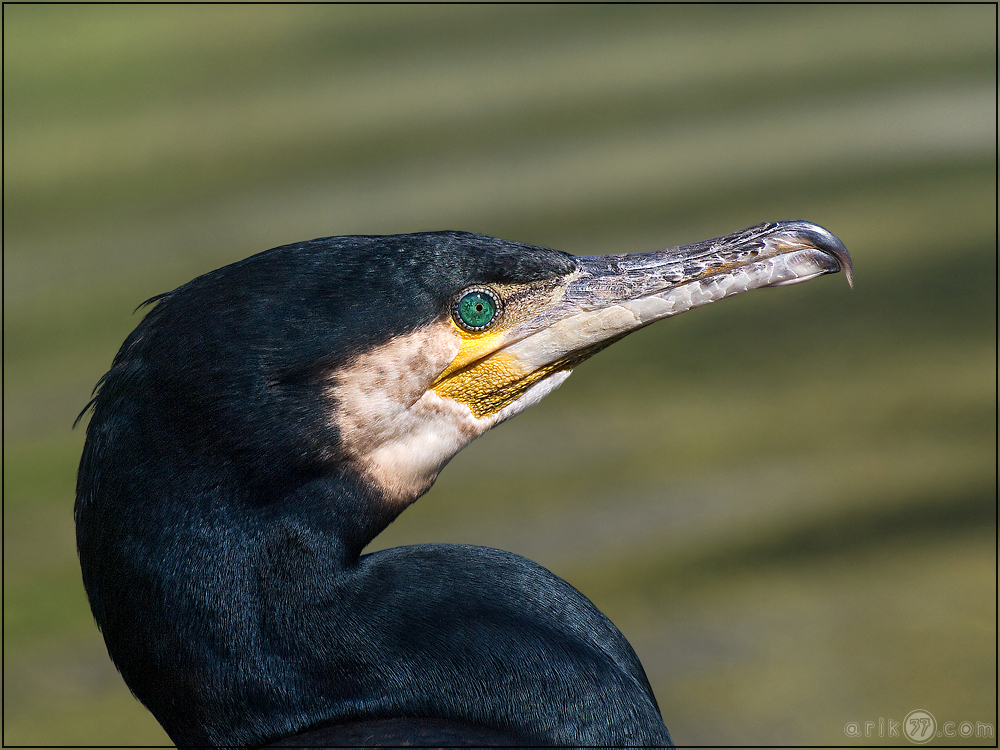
column 806, row 646
column 648, row 62
column 656, row 72
column 786, row 501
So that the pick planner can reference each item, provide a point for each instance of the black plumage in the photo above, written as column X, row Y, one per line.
column 220, row 525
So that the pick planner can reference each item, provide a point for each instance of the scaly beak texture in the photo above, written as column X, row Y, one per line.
column 609, row 296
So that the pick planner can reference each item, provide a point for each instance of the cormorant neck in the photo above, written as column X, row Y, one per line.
column 240, row 613
column 195, row 576
column 340, row 508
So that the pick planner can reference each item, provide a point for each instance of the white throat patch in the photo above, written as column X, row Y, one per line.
column 397, row 432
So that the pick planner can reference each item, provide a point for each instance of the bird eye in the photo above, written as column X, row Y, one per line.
column 476, row 309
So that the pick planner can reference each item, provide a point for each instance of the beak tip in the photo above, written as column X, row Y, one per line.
column 822, row 239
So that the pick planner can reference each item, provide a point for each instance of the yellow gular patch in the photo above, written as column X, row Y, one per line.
column 487, row 386
column 474, row 347
column 500, row 379
column 482, row 376
column 475, row 378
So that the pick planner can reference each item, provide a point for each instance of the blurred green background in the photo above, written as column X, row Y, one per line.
column 787, row 501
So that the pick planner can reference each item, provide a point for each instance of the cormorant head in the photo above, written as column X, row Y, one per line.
column 510, row 322
column 382, row 356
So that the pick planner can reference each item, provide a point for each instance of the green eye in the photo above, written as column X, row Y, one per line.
column 476, row 309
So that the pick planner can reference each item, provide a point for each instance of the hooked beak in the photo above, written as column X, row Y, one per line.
column 609, row 296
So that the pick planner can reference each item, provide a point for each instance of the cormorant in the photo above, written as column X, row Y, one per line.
column 265, row 421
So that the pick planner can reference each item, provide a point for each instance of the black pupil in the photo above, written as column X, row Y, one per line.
column 476, row 309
